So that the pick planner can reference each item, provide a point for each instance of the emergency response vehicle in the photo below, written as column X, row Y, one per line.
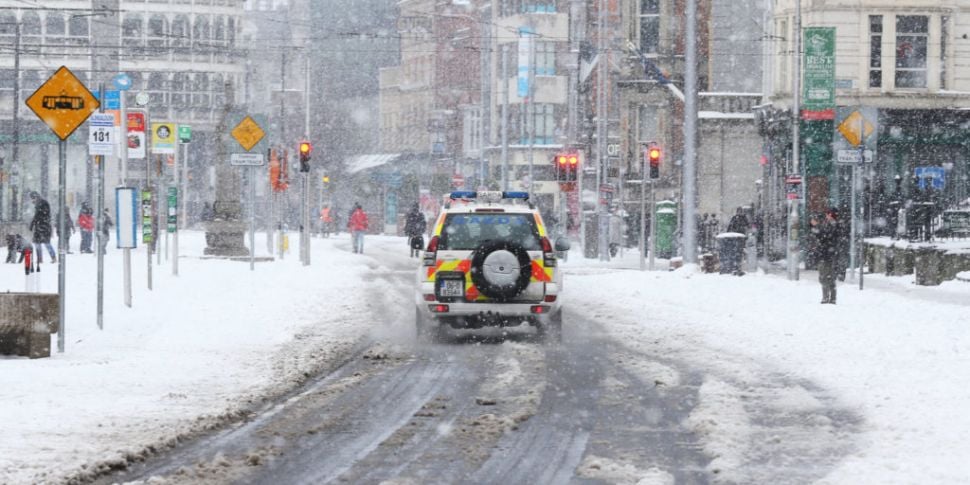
column 489, row 263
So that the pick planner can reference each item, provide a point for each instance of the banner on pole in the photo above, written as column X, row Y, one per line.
column 146, row 216
column 126, row 213
column 818, row 92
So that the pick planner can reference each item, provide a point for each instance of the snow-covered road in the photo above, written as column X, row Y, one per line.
column 663, row 377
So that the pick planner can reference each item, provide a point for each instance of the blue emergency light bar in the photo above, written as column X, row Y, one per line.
column 470, row 194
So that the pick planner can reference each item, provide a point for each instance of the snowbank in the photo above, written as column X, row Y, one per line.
column 202, row 347
column 890, row 355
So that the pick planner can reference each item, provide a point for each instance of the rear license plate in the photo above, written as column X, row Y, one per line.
column 452, row 288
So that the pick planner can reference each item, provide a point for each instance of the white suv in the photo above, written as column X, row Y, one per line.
column 489, row 263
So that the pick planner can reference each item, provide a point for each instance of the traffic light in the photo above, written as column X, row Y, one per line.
column 567, row 166
column 305, row 149
column 653, row 156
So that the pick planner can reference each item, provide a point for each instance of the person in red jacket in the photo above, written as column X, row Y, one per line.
column 85, row 221
column 357, row 224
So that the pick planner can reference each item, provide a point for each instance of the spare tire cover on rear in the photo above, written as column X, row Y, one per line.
column 501, row 269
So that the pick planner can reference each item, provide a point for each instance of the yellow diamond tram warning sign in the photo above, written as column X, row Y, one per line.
column 856, row 128
column 248, row 133
column 63, row 103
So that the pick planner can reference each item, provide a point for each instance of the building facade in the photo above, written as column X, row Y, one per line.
column 180, row 52
column 902, row 62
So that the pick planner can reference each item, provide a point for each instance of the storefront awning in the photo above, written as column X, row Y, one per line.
column 366, row 162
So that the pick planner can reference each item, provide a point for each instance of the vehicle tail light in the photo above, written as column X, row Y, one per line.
column 549, row 298
column 431, row 253
column 438, row 308
column 540, row 309
column 429, row 297
column 548, row 255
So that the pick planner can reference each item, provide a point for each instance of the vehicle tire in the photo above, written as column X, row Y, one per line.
column 501, row 269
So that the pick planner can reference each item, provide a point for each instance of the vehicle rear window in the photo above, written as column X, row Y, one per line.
column 467, row 231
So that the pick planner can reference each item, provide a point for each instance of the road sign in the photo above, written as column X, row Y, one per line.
column 934, row 176
column 853, row 156
column 112, row 99
column 248, row 133
column 146, row 216
column 457, row 180
column 163, row 138
column 63, row 103
column 856, row 128
column 247, row 160
column 142, row 99
column 122, row 82
column 185, row 134
column 102, row 134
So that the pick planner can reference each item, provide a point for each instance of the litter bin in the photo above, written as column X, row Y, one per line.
column 730, row 249
column 666, row 228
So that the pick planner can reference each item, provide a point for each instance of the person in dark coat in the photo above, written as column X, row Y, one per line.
column 40, row 225
column 842, row 245
column 106, row 225
column 826, row 234
column 69, row 225
column 739, row 223
column 414, row 228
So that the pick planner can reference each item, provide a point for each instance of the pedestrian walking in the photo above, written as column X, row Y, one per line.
column 739, row 223
column 68, row 225
column 106, row 225
column 357, row 225
column 40, row 225
column 326, row 221
column 414, row 228
column 85, row 222
column 827, row 240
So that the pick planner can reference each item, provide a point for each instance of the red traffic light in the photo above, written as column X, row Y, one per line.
column 654, row 155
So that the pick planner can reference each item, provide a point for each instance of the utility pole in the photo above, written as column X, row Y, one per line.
column 281, row 199
column 306, row 176
column 793, row 222
column 531, row 110
column 690, row 136
column 15, row 148
column 505, row 117
column 601, row 133
column 577, row 10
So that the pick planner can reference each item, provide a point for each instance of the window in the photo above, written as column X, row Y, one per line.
column 539, row 120
column 875, row 51
column 30, row 24
column 514, row 7
column 647, row 130
column 132, row 26
column 545, row 59
column 55, row 25
column 944, row 35
column 911, row 36
column 649, row 26
column 78, row 26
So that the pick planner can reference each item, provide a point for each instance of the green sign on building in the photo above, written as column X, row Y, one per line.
column 818, row 92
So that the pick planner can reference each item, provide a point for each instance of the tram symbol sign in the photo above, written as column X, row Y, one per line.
column 248, row 133
column 63, row 103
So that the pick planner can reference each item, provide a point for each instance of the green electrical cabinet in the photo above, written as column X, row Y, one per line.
column 666, row 218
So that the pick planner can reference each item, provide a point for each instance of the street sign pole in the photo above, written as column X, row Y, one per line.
column 252, row 218
column 99, row 217
column 123, row 146
column 643, row 211
column 62, row 243
column 651, row 265
column 175, row 231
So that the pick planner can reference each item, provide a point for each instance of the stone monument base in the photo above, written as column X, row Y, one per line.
column 225, row 239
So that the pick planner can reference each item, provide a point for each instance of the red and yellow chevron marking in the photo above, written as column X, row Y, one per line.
column 540, row 274
column 438, row 226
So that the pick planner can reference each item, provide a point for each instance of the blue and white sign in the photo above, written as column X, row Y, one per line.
column 122, row 82
column 526, row 38
column 112, row 99
column 934, row 176
column 126, row 215
column 102, row 139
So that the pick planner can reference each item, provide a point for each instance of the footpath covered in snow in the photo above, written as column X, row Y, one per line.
column 203, row 346
column 895, row 353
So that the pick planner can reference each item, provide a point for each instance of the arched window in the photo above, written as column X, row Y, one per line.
column 231, row 30
column 54, row 25
column 156, row 35
column 133, row 26
column 30, row 24
column 180, row 35
column 8, row 24
column 219, row 28
column 78, row 26
column 200, row 32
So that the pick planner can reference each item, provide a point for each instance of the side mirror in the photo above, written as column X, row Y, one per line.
column 562, row 244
